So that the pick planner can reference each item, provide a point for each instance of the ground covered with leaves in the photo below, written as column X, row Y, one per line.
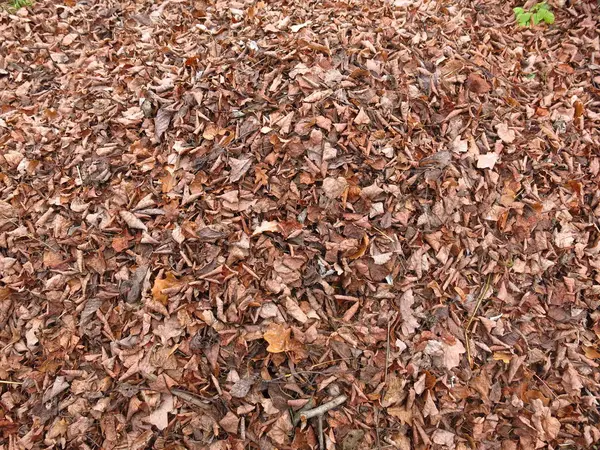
column 216, row 214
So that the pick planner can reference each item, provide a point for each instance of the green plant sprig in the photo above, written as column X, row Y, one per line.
column 539, row 12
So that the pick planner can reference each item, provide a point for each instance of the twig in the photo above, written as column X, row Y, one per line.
column 376, row 413
column 320, row 432
column 243, row 428
column 470, row 321
column 320, row 410
column 387, row 350
column 190, row 398
column 10, row 382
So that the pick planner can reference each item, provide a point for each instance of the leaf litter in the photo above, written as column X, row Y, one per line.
column 216, row 216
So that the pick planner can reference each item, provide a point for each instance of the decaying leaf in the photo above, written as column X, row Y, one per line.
column 132, row 221
column 169, row 281
column 487, row 161
column 213, row 214
column 278, row 337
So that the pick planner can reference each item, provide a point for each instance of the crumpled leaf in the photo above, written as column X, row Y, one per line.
column 506, row 134
column 487, row 160
column 239, row 167
column 241, row 388
column 160, row 416
column 266, row 226
column 162, row 121
column 278, row 337
column 334, row 187
column 132, row 221
column 169, row 281
column 362, row 118
column 476, row 83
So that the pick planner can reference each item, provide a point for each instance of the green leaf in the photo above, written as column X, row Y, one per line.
column 518, row 11
column 524, row 19
column 546, row 16
column 543, row 6
column 537, row 17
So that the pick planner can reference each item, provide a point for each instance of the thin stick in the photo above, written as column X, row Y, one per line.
column 320, row 432
column 470, row 321
column 320, row 410
column 190, row 398
column 243, row 428
column 376, row 411
column 10, row 382
column 387, row 350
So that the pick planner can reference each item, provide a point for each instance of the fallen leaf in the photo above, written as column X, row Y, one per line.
column 362, row 118
column 318, row 96
column 278, row 337
column 476, row 83
column 266, row 226
column 230, row 423
column 364, row 245
column 591, row 352
column 506, row 134
column 161, row 122
column 241, row 388
column 334, row 187
column 239, row 167
column 502, row 356
column 160, row 416
column 169, row 281
column 487, row 160
column 132, row 221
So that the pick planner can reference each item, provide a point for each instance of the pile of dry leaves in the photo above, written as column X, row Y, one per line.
column 214, row 214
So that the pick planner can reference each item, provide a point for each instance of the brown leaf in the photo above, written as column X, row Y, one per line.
column 476, row 83
column 239, row 167
column 278, row 337
column 506, row 134
column 241, row 388
column 334, row 187
column 169, row 281
column 364, row 245
column 162, row 121
column 132, row 221
column 591, row 352
column 230, row 423
column 487, row 161
column 362, row 118
column 160, row 416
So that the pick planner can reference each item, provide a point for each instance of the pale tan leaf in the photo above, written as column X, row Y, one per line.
column 132, row 221
column 362, row 118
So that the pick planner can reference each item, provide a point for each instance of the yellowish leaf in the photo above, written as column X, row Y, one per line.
column 362, row 249
column 278, row 337
column 210, row 132
column 502, row 356
column 169, row 281
column 591, row 352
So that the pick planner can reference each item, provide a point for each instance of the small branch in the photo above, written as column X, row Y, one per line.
column 243, row 428
column 320, row 431
column 320, row 410
column 188, row 397
column 472, row 317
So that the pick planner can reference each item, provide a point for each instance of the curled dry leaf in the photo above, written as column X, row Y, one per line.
column 476, row 83
column 132, row 221
column 169, row 281
column 487, row 161
column 278, row 337
column 505, row 133
column 362, row 118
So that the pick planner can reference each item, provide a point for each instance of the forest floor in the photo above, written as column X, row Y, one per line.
column 218, row 216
